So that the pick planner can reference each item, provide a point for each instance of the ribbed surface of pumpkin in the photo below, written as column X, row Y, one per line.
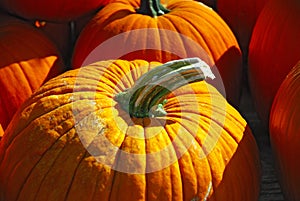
column 284, row 133
column 42, row 156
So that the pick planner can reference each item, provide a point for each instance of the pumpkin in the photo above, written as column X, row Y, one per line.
column 51, row 10
column 284, row 133
column 163, row 32
column 129, row 130
column 273, row 50
column 28, row 59
column 241, row 17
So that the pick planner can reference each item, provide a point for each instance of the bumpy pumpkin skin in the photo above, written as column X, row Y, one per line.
column 28, row 59
column 273, row 50
column 187, row 22
column 52, row 10
column 284, row 133
column 54, row 165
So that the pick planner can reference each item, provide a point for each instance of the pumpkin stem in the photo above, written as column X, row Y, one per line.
column 146, row 98
column 152, row 8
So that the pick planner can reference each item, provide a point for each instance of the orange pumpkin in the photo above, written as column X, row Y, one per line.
column 120, row 130
column 284, row 133
column 157, row 32
column 51, row 10
column 273, row 50
column 28, row 59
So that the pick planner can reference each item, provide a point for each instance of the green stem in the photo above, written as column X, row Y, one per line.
column 152, row 8
column 147, row 97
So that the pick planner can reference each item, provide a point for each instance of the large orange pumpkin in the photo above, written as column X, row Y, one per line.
column 273, row 50
column 87, row 135
column 285, row 131
column 156, row 32
column 51, row 10
column 28, row 59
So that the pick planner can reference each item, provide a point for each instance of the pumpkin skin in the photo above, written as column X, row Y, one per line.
column 284, row 133
column 28, row 59
column 241, row 17
column 51, row 10
column 51, row 147
column 190, row 29
column 276, row 31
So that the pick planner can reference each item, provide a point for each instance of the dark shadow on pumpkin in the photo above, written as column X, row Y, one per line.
column 231, row 79
column 242, row 175
column 57, row 66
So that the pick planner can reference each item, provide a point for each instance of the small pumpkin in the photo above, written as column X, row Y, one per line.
column 28, row 59
column 273, row 50
column 129, row 130
column 284, row 133
column 51, row 10
column 153, row 31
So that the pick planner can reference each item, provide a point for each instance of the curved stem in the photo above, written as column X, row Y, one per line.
column 152, row 8
column 147, row 97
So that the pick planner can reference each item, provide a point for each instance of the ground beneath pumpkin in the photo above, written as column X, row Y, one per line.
column 270, row 188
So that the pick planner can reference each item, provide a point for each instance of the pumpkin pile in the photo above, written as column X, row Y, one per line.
column 131, row 100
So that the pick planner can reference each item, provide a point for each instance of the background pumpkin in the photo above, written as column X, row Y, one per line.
column 284, row 133
column 273, row 50
column 190, row 29
column 51, row 10
column 54, row 164
column 28, row 59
